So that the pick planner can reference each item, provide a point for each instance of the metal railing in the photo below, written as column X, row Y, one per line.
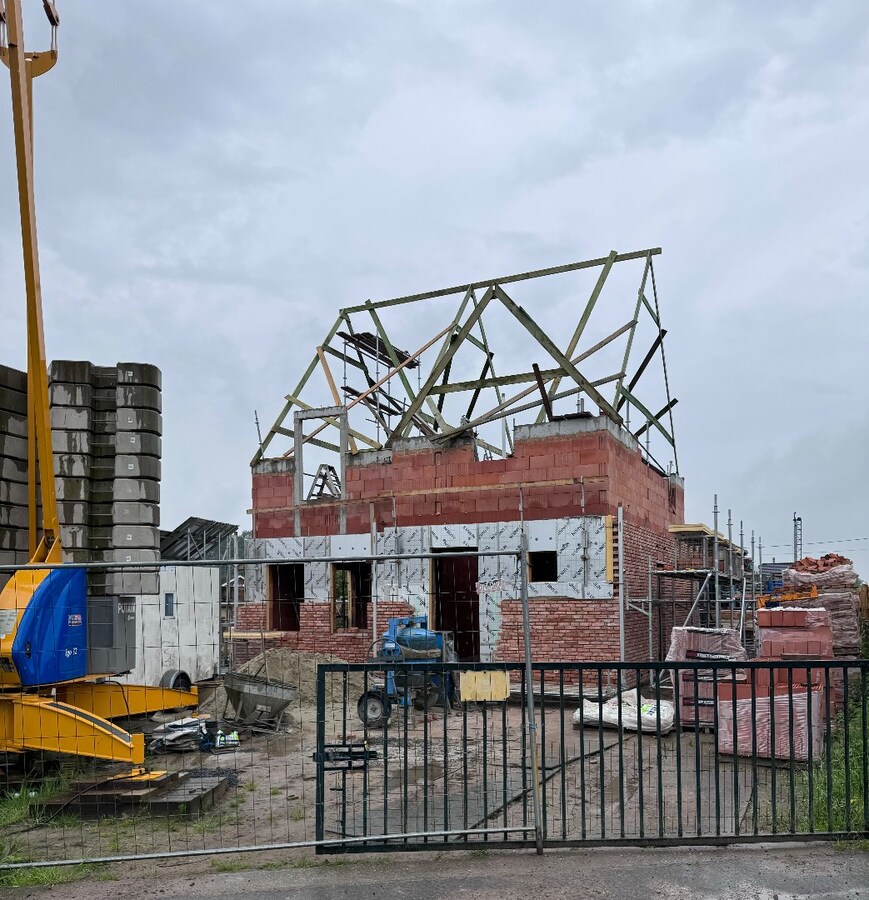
column 709, row 752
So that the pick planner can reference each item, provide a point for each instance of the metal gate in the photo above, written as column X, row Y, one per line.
column 699, row 753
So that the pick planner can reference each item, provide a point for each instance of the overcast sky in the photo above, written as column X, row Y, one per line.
column 212, row 187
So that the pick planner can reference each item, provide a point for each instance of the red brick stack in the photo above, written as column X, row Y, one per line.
column 785, row 701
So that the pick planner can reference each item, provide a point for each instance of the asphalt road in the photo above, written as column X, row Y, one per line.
column 818, row 871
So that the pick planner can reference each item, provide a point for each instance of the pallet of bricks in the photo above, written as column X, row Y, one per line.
column 835, row 580
column 783, row 701
column 697, row 691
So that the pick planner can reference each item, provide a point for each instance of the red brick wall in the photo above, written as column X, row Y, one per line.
column 422, row 485
column 315, row 633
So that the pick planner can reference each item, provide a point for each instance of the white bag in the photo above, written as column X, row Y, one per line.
column 594, row 713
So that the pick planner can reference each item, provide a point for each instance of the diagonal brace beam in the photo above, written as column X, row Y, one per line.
column 546, row 342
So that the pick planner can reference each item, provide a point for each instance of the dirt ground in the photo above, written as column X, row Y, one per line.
column 430, row 771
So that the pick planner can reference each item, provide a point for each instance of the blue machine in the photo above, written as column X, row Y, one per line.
column 51, row 643
column 410, row 644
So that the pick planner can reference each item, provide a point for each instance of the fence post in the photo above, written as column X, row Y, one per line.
column 529, row 695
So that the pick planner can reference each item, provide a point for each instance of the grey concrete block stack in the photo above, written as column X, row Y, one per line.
column 136, row 489
column 13, row 467
column 106, row 435
column 71, row 397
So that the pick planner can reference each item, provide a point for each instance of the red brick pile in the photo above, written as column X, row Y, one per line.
column 836, row 582
column 786, row 701
column 829, row 573
column 827, row 561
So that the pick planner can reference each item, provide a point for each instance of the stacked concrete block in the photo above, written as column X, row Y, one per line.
column 136, row 487
column 70, row 395
column 106, row 426
column 13, row 468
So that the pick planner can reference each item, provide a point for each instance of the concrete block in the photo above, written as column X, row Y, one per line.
column 130, row 419
column 104, row 377
column 72, row 465
column 13, row 470
column 104, row 402
column 71, row 418
column 134, row 442
column 135, row 513
column 134, row 555
column 73, row 512
column 13, row 401
column 13, row 539
column 137, row 466
column 138, row 537
column 280, row 465
column 75, row 537
column 14, row 379
column 70, row 441
column 101, row 516
column 137, row 396
column 13, row 446
column 12, row 516
column 13, row 423
column 78, row 489
column 61, row 393
column 132, row 583
column 104, row 422
column 78, row 555
column 13, row 492
column 126, row 489
column 139, row 373
column 71, row 371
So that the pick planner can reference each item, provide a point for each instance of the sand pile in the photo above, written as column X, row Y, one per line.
column 300, row 671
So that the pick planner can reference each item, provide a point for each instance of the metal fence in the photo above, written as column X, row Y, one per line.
column 709, row 752
column 755, row 750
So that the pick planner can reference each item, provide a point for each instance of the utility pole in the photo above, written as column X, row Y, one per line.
column 798, row 537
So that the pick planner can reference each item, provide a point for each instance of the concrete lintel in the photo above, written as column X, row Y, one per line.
column 572, row 426
column 275, row 465
column 321, row 413
column 369, row 458
column 415, row 444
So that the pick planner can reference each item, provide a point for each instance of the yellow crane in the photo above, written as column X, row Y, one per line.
column 48, row 699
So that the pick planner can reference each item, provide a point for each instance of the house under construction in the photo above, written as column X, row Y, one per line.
column 494, row 422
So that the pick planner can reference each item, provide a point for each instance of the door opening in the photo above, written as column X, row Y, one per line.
column 456, row 602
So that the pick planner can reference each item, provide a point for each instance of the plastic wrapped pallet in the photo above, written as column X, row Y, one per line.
column 842, row 607
column 755, row 721
column 691, row 643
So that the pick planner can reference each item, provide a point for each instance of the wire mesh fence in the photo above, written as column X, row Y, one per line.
column 248, row 704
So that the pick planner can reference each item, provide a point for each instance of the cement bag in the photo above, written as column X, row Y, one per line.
column 594, row 713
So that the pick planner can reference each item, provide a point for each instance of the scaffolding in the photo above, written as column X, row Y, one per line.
column 712, row 573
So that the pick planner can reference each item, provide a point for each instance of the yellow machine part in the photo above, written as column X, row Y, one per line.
column 13, row 601
column 111, row 700
column 787, row 597
column 33, row 722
